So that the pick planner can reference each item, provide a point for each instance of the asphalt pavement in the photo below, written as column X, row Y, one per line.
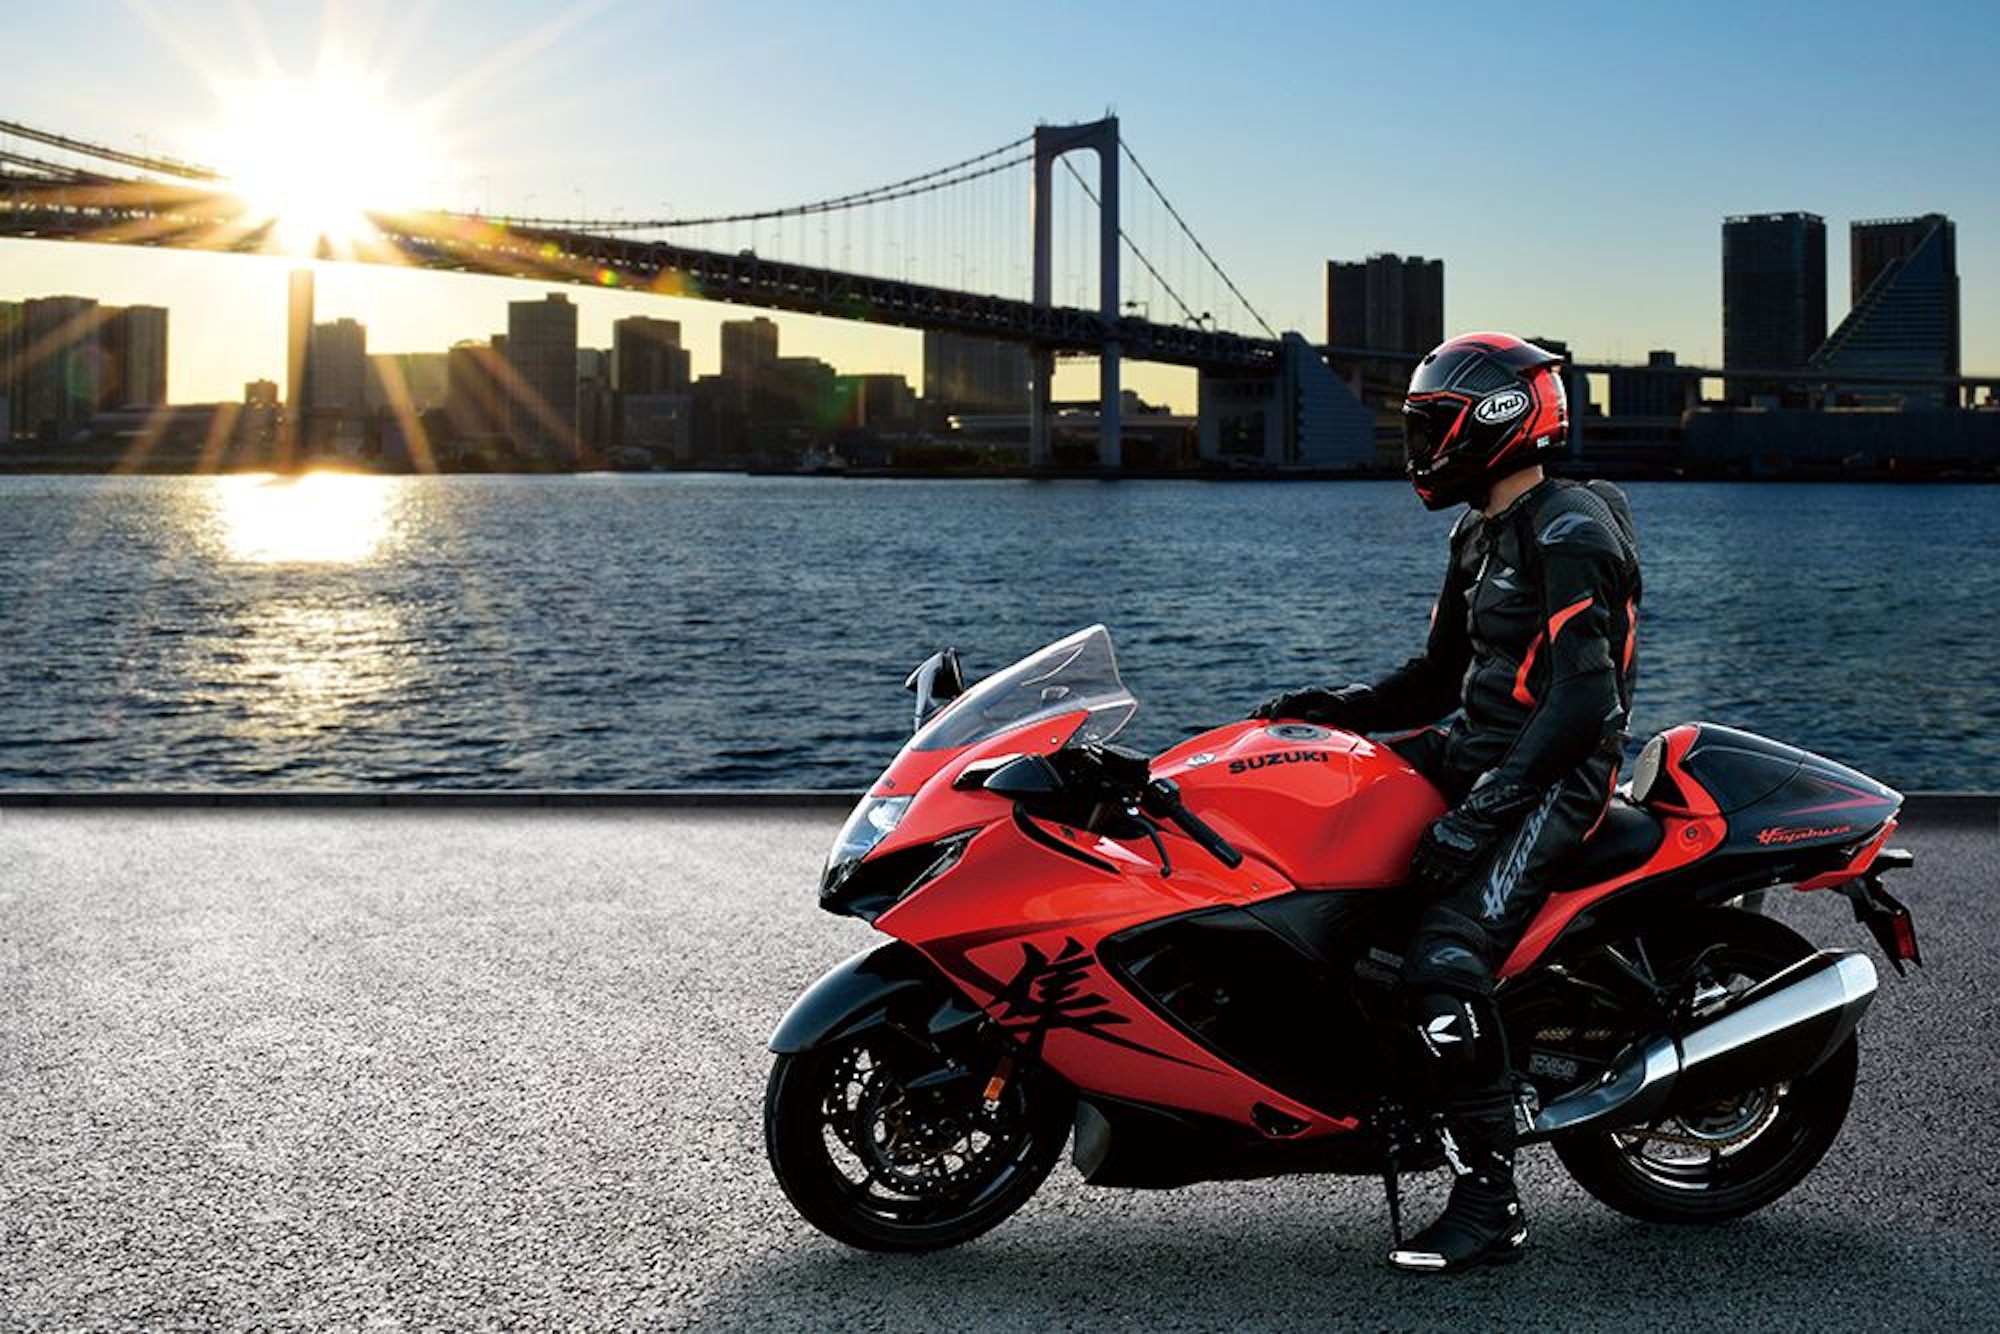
column 294, row 1069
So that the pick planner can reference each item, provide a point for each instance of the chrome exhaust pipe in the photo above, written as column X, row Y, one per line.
column 1782, row 1028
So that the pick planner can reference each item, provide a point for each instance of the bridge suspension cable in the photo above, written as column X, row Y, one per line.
column 1187, row 311
column 1188, row 232
column 958, row 173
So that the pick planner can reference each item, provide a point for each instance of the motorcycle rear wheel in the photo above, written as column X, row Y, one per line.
column 1738, row 1154
column 887, row 1144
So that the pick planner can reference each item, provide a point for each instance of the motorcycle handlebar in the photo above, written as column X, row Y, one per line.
column 1163, row 797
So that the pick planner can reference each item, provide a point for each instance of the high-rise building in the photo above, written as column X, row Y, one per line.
column 337, row 367
column 749, row 395
column 1773, row 296
column 475, row 393
column 647, row 356
column 1905, row 319
column 62, row 377
column 541, row 360
column 1387, row 303
column 298, row 338
column 135, row 357
column 407, row 381
column 11, row 317
column 749, row 349
column 974, row 375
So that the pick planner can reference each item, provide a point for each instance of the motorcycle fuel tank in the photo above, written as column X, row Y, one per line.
column 1330, row 809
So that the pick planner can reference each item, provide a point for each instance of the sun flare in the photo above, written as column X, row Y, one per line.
column 314, row 159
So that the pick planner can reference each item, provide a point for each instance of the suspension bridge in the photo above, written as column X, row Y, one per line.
column 905, row 253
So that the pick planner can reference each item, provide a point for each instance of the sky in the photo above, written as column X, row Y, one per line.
column 1571, row 163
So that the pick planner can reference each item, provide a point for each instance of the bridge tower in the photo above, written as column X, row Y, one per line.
column 1051, row 142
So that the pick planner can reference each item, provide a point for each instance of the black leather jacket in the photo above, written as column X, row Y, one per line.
column 1533, row 637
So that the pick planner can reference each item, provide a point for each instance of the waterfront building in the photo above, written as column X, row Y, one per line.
column 749, row 349
column 803, row 394
column 876, row 402
column 413, row 382
column 337, row 367
column 134, row 341
column 647, row 356
column 1648, row 392
column 1773, row 297
column 1385, row 303
column 12, row 364
column 298, row 337
column 257, row 427
column 657, row 423
column 62, row 375
column 541, row 383
column 973, row 375
column 1905, row 319
column 475, row 394
column 1303, row 415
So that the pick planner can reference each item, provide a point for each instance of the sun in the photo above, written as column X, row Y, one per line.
column 314, row 159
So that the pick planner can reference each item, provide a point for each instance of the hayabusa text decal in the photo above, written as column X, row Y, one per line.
column 1779, row 834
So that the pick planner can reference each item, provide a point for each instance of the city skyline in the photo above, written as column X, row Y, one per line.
column 1573, row 233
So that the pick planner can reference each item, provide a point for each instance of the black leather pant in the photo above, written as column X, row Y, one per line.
column 1465, row 934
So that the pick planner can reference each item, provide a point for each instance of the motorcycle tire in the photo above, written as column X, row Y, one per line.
column 1737, row 1155
column 887, row 1144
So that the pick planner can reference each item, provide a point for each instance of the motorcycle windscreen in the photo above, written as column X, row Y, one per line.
column 1075, row 674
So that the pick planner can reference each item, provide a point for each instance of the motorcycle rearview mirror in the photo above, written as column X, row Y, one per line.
column 1024, row 778
column 937, row 681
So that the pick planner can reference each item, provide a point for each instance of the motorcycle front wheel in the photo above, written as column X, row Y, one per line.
column 1733, row 1156
column 885, row 1143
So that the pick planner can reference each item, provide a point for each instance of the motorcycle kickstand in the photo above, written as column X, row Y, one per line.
column 1392, row 1187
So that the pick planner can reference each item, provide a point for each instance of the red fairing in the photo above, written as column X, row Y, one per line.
column 1330, row 809
column 1695, row 828
column 1016, row 912
column 944, row 809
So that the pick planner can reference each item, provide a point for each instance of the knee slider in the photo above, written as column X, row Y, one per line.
column 1448, row 952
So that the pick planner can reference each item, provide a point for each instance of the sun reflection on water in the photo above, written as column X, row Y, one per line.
column 318, row 518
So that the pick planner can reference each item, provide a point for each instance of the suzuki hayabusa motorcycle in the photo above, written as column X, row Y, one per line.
column 1189, row 965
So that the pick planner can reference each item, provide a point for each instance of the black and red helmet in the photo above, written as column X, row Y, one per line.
column 1481, row 406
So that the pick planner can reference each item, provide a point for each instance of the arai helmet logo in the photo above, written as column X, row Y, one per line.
column 1196, row 761
column 1503, row 406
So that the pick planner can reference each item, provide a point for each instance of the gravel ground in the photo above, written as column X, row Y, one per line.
column 385, row 1069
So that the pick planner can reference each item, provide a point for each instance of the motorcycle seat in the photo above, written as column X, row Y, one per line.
column 1623, row 839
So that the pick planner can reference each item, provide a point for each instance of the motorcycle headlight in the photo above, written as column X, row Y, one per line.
column 865, row 828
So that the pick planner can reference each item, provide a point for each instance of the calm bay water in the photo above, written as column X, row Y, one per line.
column 627, row 632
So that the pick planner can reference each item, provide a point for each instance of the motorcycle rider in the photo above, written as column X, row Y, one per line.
column 1531, row 641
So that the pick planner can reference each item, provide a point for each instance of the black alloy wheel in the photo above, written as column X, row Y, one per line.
column 887, row 1144
column 1733, row 1156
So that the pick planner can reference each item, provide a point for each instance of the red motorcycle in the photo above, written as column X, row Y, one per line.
column 1191, row 962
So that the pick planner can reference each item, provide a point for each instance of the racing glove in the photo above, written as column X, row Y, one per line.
column 1346, row 708
column 1463, row 837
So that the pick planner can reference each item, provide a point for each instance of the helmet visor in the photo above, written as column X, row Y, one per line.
column 1427, row 430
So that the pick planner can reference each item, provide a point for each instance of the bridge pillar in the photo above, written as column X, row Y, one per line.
column 1051, row 142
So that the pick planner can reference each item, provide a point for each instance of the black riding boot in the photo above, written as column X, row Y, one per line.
column 1482, row 1222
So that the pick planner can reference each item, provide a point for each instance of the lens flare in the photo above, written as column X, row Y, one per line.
column 313, row 160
